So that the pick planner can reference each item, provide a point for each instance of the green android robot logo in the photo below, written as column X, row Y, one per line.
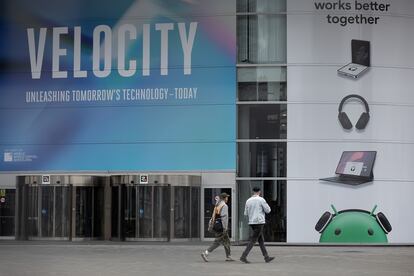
column 353, row 226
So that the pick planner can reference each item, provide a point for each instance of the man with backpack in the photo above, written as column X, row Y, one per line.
column 218, row 224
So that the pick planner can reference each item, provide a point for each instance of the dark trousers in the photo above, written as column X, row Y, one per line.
column 221, row 238
column 257, row 235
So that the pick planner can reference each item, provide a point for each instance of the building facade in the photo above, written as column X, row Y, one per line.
column 125, row 125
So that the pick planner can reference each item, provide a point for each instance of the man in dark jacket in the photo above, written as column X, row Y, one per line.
column 221, row 210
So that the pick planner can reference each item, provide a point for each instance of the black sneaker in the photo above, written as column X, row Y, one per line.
column 269, row 259
column 244, row 260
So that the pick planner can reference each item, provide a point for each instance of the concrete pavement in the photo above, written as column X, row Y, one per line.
column 183, row 259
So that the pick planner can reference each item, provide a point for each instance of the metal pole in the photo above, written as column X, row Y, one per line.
column 54, row 212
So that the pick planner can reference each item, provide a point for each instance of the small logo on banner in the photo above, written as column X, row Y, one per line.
column 45, row 179
column 8, row 157
column 143, row 179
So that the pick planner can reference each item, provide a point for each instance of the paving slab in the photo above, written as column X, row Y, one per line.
column 183, row 259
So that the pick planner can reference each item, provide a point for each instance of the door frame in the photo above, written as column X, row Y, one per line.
column 13, row 236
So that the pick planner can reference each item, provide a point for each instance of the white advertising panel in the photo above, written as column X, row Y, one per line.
column 335, row 49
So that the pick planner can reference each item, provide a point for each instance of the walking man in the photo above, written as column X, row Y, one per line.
column 221, row 211
column 256, row 207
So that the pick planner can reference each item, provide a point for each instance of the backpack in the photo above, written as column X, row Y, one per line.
column 216, row 226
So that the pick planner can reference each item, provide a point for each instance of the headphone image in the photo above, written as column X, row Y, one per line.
column 327, row 217
column 353, row 225
column 363, row 119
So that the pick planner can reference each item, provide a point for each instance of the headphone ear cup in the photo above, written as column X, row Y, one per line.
column 323, row 222
column 383, row 222
column 362, row 121
column 344, row 120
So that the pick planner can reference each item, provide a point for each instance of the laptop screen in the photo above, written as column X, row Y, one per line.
column 360, row 52
column 356, row 163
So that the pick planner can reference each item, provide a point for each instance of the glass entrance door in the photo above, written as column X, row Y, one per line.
column 209, row 203
column 165, row 209
column 7, row 212
column 70, row 207
column 145, row 212
column 89, row 212
column 48, row 212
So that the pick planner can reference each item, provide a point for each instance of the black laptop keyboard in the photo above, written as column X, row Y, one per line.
column 347, row 180
column 351, row 180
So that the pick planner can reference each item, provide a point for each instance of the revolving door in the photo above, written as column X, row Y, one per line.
column 48, row 212
column 167, row 208
column 66, row 208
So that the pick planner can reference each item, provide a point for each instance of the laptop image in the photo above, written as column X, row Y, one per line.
column 360, row 59
column 354, row 168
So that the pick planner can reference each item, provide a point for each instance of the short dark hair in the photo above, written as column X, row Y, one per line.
column 256, row 189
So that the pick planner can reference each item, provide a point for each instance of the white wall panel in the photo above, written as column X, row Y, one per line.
column 308, row 200
column 316, row 49
column 397, row 7
column 218, row 179
column 391, row 42
column 313, row 160
column 7, row 180
column 323, row 84
column 390, row 123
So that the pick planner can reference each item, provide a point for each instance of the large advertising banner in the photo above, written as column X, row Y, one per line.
column 350, row 135
column 117, row 86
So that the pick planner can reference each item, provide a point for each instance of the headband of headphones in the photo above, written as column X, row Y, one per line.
column 327, row 217
column 353, row 96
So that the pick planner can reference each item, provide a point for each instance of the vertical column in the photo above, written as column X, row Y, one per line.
column 39, row 210
column 93, row 190
column 152, row 211
column 21, row 215
column 171, row 223
column 108, row 210
column 69, row 211
column 137, row 206
column 73, row 212
column 54, row 212
column 190, row 221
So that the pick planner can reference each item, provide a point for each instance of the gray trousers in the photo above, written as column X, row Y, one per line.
column 221, row 238
column 257, row 235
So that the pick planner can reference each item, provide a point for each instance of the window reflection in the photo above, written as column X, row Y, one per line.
column 262, row 121
column 262, row 91
column 274, row 192
column 261, row 39
column 267, row 159
column 261, row 5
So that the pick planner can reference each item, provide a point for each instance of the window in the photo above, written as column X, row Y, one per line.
column 261, row 6
column 261, row 39
column 274, row 192
column 257, row 121
column 264, row 159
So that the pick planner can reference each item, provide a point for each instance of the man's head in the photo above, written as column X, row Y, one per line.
column 256, row 191
column 224, row 197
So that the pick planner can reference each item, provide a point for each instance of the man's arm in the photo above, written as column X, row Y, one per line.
column 266, row 207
